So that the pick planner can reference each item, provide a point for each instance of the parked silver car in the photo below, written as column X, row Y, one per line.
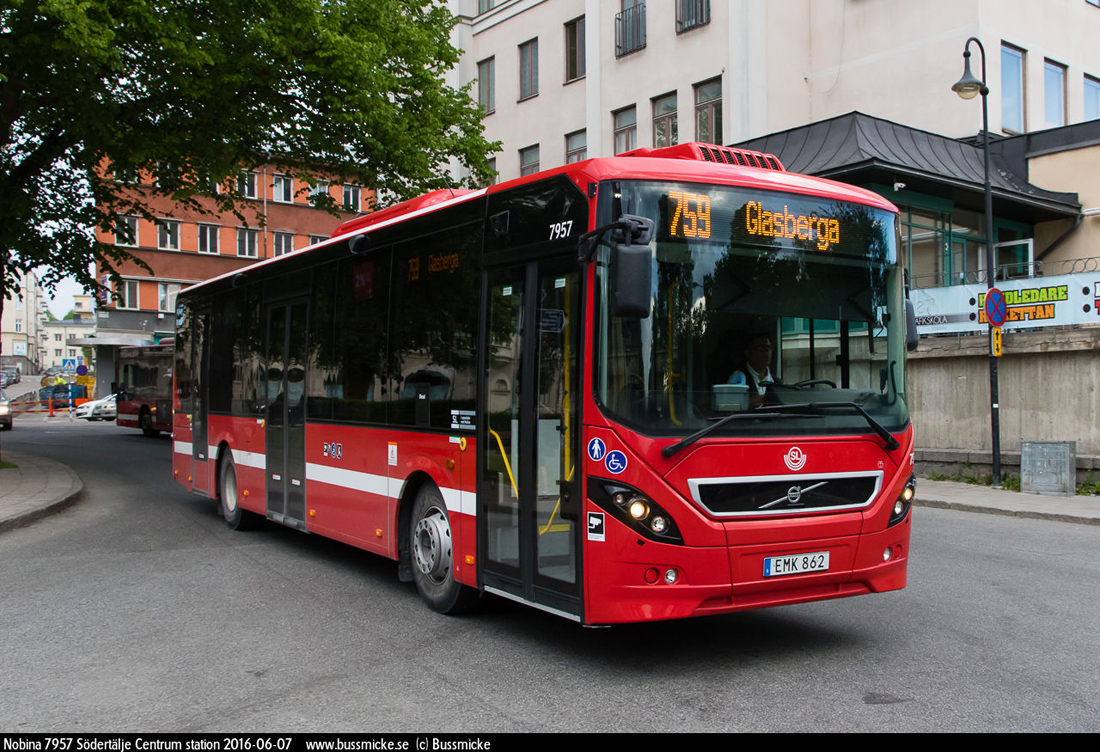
column 100, row 409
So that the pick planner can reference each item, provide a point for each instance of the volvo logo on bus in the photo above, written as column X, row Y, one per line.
column 795, row 459
column 794, row 495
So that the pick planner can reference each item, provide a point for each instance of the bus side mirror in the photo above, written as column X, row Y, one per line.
column 912, row 337
column 630, row 281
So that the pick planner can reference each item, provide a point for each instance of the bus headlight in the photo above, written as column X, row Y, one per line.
column 639, row 512
column 903, row 502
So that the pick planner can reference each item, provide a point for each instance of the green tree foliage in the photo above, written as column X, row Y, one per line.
column 97, row 95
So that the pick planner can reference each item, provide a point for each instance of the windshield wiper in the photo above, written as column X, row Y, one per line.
column 891, row 442
column 784, row 411
column 687, row 441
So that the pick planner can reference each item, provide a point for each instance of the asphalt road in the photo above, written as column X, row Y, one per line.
column 137, row 610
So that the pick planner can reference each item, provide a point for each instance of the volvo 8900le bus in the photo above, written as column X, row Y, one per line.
column 665, row 384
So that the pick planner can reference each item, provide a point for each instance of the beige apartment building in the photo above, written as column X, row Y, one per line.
column 569, row 79
column 20, row 330
column 860, row 91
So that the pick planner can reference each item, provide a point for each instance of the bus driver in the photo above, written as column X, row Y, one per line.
column 757, row 371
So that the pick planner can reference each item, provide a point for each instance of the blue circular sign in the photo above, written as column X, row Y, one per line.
column 996, row 308
column 596, row 450
column 615, row 462
column 82, row 370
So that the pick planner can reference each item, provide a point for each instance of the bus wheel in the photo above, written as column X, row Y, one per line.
column 235, row 517
column 146, row 421
column 432, row 552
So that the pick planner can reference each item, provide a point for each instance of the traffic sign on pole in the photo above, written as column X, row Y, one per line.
column 996, row 309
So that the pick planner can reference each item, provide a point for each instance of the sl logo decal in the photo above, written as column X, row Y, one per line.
column 795, row 459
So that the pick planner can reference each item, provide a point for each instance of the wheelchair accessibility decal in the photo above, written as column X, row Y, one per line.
column 614, row 461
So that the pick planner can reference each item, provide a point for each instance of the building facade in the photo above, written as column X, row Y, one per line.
column 570, row 79
column 184, row 246
column 23, row 318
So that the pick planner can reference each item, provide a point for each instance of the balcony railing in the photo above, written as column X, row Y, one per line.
column 1019, row 270
column 630, row 30
column 691, row 14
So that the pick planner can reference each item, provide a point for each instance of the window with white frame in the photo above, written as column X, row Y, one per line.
column 352, row 195
column 665, row 128
column 127, row 296
column 126, row 231
column 708, row 111
column 320, row 188
column 1012, row 89
column 246, row 184
column 166, row 296
column 529, row 160
column 576, row 147
column 282, row 243
column 1092, row 98
column 315, row 239
column 282, row 189
column 574, row 50
column 625, row 123
column 1054, row 93
column 487, row 85
column 248, row 242
column 208, row 238
column 168, row 235
column 529, row 69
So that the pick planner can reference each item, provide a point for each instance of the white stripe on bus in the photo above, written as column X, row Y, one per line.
column 455, row 499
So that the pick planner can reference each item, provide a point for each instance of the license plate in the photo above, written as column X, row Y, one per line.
column 776, row 566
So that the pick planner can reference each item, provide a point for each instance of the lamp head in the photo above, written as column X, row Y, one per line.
column 969, row 86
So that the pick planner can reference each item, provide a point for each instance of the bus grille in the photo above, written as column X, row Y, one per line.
column 785, row 494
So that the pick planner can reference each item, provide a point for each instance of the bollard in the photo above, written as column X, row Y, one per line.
column 51, row 405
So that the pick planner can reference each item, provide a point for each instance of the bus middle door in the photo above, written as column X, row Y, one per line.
column 284, row 427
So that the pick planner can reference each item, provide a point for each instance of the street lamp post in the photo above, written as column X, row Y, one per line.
column 968, row 87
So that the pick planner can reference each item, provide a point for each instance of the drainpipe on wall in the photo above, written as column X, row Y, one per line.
column 1061, row 238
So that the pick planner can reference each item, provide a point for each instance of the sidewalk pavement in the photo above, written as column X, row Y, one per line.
column 34, row 488
column 38, row 486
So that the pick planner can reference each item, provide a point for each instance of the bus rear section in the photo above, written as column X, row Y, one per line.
column 144, row 388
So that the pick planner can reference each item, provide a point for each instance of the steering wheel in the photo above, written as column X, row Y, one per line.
column 813, row 382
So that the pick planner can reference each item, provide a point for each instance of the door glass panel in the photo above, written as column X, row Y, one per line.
column 275, row 422
column 505, row 317
column 294, row 389
column 557, row 429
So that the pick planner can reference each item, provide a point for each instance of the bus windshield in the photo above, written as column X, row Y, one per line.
column 783, row 310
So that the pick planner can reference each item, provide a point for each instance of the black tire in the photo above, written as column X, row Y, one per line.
column 432, row 558
column 229, row 496
column 146, row 421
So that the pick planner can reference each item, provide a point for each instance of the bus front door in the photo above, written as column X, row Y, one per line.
column 284, row 426
column 529, row 501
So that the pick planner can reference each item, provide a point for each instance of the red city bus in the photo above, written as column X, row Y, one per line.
column 540, row 389
column 144, row 387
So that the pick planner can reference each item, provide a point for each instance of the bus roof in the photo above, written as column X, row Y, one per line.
column 690, row 163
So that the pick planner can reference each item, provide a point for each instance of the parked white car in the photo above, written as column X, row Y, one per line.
column 100, row 409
